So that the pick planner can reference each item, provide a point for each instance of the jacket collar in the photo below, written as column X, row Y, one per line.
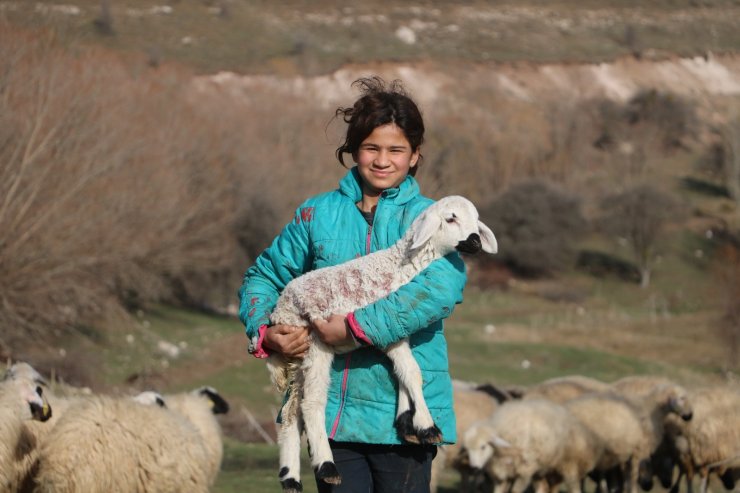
column 351, row 186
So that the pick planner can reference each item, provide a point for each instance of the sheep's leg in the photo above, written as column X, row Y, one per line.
column 316, row 373
column 521, row 483
column 414, row 422
column 289, row 439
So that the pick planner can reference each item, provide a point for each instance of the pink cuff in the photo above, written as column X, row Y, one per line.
column 357, row 331
column 259, row 351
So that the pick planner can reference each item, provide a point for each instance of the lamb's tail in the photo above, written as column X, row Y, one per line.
column 282, row 371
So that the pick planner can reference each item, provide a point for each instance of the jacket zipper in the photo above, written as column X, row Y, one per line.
column 345, row 375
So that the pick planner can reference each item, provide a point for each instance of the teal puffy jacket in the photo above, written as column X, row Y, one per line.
column 329, row 229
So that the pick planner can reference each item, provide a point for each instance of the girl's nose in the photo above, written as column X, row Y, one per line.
column 383, row 158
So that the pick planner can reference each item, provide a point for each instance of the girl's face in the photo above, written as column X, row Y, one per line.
column 384, row 159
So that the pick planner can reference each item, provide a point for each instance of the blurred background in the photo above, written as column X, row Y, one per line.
column 150, row 150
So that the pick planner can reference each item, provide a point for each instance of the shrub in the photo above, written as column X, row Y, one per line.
column 537, row 225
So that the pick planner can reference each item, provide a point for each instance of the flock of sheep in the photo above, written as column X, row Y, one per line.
column 572, row 431
column 103, row 443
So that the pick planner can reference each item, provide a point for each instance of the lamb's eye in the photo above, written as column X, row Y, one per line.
column 451, row 219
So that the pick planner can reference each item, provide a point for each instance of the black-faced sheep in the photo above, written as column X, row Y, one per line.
column 21, row 400
column 105, row 444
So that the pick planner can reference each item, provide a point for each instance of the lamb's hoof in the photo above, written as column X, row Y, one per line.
column 429, row 436
column 405, row 427
column 290, row 485
column 328, row 473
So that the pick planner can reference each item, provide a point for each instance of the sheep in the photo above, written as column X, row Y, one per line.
column 447, row 225
column 472, row 403
column 617, row 423
column 200, row 407
column 561, row 389
column 533, row 440
column 710, row 442
column 20, row 400
column 656, row 399
column 106, row 443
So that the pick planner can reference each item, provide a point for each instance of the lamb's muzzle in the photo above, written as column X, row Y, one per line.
column 472, row 244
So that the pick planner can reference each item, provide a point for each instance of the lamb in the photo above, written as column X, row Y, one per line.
column 105, row 443
column 20, row 400
column 534, row 440
column 449, row 224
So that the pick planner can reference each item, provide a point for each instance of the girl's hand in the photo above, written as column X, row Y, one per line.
column 289, row 340
column 334, row 331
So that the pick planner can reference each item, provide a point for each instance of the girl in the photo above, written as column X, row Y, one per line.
column 375, row 203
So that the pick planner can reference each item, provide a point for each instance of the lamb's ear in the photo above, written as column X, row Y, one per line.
column 424, row 228
column 487, row 239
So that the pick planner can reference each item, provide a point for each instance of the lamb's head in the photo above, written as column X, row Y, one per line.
column 452, row 224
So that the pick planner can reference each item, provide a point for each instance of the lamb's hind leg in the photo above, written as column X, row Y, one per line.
column 289, row 439
column 316, row 368
column 414, row 422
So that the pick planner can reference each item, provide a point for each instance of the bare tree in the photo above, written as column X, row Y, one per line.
column 104, row 22
column 639, row 215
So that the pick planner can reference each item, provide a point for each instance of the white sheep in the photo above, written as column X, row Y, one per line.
column 617, row 423
column 534, row 440
column 472, row 403
column 104, row 444
column 447, row 225
column 656, row 399
column 710, row 441
column 200, row 407
column 561, row 389
column 20, row 400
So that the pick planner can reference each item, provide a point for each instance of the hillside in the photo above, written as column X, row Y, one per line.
column 295, row 37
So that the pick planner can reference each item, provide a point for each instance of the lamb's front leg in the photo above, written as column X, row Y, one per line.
column 414, row 422
column 316, row 371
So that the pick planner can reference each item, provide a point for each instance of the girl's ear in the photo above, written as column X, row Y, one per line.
column 415, row 157
column 487, row 239
column 424, row 228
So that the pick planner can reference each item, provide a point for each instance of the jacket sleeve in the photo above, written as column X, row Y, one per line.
column 286, row 258
column 429, row 297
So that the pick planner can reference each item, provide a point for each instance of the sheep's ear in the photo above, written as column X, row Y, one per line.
column 487, row 239
column 218, row 403
column 424, row 229
column 499, row 442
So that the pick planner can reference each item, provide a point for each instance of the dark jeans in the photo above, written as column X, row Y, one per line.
column 369, row 468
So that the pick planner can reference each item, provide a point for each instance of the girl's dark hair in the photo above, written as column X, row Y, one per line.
column 381, row 103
